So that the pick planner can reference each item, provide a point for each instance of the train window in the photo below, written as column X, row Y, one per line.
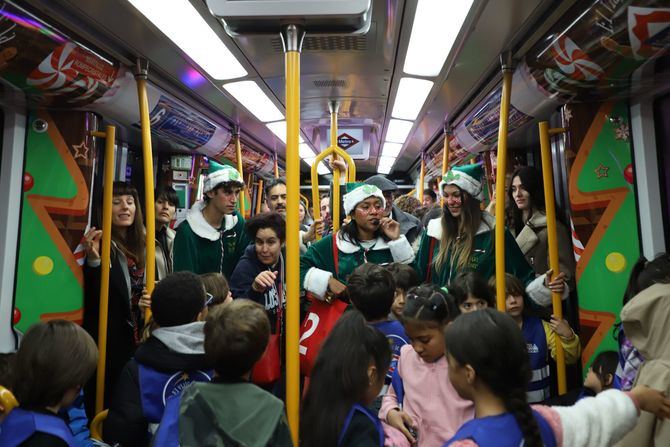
column 662, row 125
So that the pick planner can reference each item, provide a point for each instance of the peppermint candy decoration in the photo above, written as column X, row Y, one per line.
column 574, row 62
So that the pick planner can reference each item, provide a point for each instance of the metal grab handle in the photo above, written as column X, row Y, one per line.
column 105, row 258
column 333, row 150
column 552, row 239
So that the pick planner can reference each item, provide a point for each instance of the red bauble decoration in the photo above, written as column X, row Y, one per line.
column 16, row 317
column 628, row 173
column 28, row 182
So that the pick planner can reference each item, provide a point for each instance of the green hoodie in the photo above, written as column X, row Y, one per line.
column 231, row 414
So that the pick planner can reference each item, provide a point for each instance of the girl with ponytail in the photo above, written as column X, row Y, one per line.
column 420, row 404
column 488, row 364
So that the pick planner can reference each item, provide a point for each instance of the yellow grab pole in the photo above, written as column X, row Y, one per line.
column 500, row 185
column 445, row 158
column 335, row 205
column 238, row 150
column 147, row 156
column 422, row 177
column 304, row 199
column 552, row 239
column 259, row 196
column 105, row 258
column 292, row 37
column 276, row 166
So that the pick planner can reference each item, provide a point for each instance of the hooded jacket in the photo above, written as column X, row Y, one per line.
column 243, row 277
column 410, row 225
column 646, row 321
column 168, row 350
column 240, row 414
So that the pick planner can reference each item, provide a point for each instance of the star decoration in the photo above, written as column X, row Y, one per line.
column 601, row 171
column 80, row 150
column 567, row 114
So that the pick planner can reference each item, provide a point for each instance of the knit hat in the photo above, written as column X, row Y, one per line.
column 466, row 177
column 381, row 182
column 219, row 173
column 357, row 192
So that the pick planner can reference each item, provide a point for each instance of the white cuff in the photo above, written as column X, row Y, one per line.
column 540, row 293
column 316, row 282
column 401, row 250
column 93, row 262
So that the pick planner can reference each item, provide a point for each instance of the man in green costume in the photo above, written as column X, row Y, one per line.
column 368, row 237
column 212, row 239
column 464, row 240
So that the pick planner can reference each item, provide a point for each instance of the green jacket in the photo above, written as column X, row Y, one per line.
column 483, row 260
column 225, row 414
column 200, row 248
column 317, row 266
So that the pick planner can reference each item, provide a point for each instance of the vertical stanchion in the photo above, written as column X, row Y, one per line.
column 292, row 37
column 238, row 151
column 276, row 166
column 335, row 205
column 552, row 240
column 105, row 258
column 422, row 177
column 141, row 73
column 259, row 196
column 500, row 181
column 445, row 158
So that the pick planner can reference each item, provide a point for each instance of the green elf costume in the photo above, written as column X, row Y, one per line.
column 201, row 248
column 469, row 179
column 317, row 266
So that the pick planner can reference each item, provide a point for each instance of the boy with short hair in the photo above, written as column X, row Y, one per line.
column 236, row 336
column 170, row 359
column 405, row 278
column 371, row 289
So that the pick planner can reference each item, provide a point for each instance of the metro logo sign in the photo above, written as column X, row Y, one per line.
column 345, row 141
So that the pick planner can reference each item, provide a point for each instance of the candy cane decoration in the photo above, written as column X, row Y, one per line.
column 574, row 62
column 577, row 246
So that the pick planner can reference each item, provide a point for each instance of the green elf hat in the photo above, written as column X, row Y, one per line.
column 467, row 177
column 219, row 173
column 357, row 192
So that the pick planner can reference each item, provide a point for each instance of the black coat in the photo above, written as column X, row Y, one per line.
column 120, row 338
column 126, row 423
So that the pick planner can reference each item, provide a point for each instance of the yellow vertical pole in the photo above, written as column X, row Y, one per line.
column 276, row 166
column 445, row 158
column 422, row 177
column 335, row 204
column 292, row 37
column 105, row 258
column 552, row 239
column 500, row 184
column 147, row 157
column 259, row 196
column 238, row 150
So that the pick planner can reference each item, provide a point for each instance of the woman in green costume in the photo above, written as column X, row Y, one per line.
column 367, row 237
column 463, row 239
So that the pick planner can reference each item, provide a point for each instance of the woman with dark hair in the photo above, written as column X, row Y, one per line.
column 347, row 376
column 529, row 223
column 126, row 281
column 367, row 237
column 463, row 240
column 259, row 274
column 166, row 203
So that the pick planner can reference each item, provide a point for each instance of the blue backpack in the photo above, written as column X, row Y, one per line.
column 20, row 425
column 375, row 420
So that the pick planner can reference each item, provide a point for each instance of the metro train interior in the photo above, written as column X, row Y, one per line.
column 416, row 80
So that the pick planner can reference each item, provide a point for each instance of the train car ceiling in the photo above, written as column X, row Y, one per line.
column 366, row 74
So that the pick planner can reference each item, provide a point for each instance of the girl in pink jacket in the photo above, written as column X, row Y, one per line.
column 421, row 405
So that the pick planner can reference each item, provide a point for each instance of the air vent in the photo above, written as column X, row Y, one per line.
column 327, row 43
column 330, row 83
